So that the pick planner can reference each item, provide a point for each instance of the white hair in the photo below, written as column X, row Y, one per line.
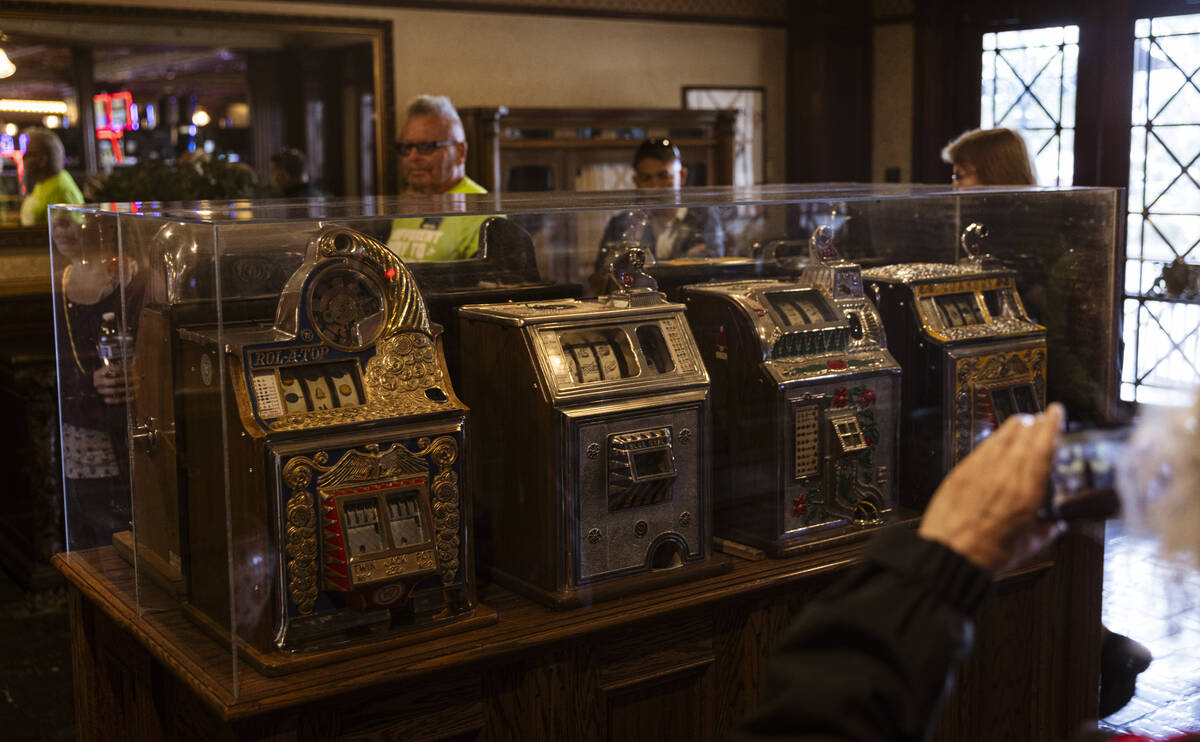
column 440, row 106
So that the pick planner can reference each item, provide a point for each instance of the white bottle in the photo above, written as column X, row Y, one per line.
column 112, row 346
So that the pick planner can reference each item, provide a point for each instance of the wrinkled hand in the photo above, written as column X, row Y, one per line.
column 110, row 384
column 986, row 507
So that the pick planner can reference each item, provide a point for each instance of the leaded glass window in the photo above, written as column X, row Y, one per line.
column 1029, row 81
column 748, row 129
column 1162, row 295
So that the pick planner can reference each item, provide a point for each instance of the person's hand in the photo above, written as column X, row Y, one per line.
column 110, row 384
column 986, row 507
column 698, row 250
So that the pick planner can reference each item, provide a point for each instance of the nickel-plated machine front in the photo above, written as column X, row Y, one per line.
column 970, row 353
column 805, row 403
column 595, row 477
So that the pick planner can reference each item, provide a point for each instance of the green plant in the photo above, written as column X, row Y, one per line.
column 156, row 180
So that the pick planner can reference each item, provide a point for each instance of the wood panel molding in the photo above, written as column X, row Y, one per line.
column 830, row 73
column 742, row 12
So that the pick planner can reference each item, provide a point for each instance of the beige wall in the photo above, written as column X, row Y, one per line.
column 554, row 61
column 523, row 60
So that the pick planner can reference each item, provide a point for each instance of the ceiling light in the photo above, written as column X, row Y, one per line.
column 6, row 65
column 16, row 105
column 52, row 121
column 10, row 129
column 200, row 117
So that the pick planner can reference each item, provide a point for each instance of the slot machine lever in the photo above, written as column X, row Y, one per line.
column 629, row 276
column 820, row 246
column 145, row 436
column 972, row 244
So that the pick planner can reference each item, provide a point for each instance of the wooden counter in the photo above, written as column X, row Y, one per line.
column 682, row 663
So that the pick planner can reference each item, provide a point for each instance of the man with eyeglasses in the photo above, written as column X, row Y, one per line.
column 46, row 180
column 433, row 160
column 668, row 232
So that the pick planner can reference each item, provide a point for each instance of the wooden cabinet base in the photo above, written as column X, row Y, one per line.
column 683, row 663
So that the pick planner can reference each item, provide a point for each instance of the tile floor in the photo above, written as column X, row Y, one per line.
column 1143, row 600
column 35, row 669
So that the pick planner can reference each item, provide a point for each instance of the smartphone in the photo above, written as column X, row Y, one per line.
column 1082, row 479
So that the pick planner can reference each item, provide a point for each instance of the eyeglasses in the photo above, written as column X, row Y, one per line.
column 665, row 175
column 422, row 148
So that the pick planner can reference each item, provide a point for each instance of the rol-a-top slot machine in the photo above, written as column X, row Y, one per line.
column 348, row 501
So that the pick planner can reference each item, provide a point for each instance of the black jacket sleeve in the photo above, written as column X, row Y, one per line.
column 871, row 658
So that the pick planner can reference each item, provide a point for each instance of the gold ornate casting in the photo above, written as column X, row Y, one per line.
column 991, row 370
column 407, row 361
column 300, row 537
column 395, row 380
column 447, row 519
column 963, row 286
column 359, row 467
column 406, row 310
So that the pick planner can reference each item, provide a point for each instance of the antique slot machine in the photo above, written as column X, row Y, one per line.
column 347, row 492
column 805, row 404
column 970, row 353
column 593, row 476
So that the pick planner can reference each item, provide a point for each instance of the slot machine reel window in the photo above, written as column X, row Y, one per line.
column 1002, row 304
column 375, row 524
column 363, row 534
column 299, row 389
column 598, row 354
column 1010, row 400
column 960, row 310
column 607, row 353
column 654, row 348
column 346, row 306
column 801, row 308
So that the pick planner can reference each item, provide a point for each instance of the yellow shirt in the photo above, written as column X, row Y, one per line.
column 439, row 238
column 57, row 189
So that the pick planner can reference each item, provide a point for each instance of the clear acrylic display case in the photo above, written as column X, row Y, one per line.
column 275, row 428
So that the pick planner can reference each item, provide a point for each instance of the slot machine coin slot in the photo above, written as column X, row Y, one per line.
column 435, row 394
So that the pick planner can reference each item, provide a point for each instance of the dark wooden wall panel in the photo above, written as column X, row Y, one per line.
column 945, row 83
column 830, row 67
